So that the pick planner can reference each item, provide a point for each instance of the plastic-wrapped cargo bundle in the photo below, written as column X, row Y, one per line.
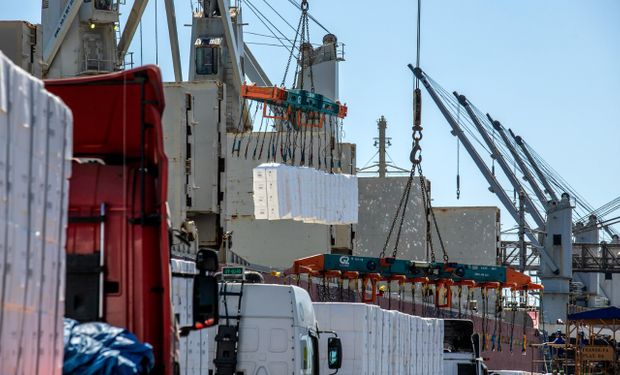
column 424, row 351
column 405, row 346
column 35, row 155
column 397, row 339
column 439, row 344
column 354, row 325
column 377, row 341
column 304, row 194
column 353, row 199
column 278, row 195
column 259, row 187
column 413, row 349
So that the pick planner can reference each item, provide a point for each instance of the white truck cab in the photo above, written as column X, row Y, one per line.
column 278, row 332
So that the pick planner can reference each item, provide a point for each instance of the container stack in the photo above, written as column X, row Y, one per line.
column 35, row 164
column 284, row 192
column 377, row 341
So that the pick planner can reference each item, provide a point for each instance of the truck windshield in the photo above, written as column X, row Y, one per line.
column 457, row 335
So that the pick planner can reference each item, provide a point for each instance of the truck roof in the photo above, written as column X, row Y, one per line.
column 272, row 301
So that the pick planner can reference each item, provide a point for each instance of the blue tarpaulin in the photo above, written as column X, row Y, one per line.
column 99, row 348
column 607, row 313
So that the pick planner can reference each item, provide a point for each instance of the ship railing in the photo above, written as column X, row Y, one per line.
column 509, row 255
column 96, row 66
column 595, row 257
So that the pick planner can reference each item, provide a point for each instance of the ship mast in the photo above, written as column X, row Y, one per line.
column 382, row 167
column 382, row 125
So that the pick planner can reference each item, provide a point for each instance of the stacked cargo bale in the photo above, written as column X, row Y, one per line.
column 377, row 341
column 35, row 164
column 304, row 194
column 193, row 348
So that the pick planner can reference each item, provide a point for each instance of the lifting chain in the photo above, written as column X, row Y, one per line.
column 301, row 28
column 430, row 214
column 416, row 160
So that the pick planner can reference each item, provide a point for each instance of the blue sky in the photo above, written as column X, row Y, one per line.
column 550, row 70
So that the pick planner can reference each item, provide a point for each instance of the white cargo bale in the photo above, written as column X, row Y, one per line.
column 353, row 199
column 193, row 349
column 395, row 358
column 377, row 341
column 294, row 193
column 425, row 330
column 35, row 153
column 439, row 348
column 304, row 194
column 353, row 323
column 259, row 188
column 405, row 343
column 387, row 346
column 415, row 342
column 305, row 182
column 277, row 191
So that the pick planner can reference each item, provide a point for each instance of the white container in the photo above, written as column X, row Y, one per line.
column 35, row 155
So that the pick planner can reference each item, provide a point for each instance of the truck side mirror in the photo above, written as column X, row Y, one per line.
column 207, row 260
column 475, row 342
column 205, row 301
column 334, row 353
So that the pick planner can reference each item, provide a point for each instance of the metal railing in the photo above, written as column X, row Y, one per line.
column 593, row 257
column 97, row 66
column 510, row 255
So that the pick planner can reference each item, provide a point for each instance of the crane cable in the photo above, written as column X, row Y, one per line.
column 458, row 157
column 416, row 159
column 300, row 6
column 512, row 320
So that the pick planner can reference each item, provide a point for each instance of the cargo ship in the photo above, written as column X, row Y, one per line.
column 223, row 220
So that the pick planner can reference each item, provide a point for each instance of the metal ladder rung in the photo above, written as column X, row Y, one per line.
column 239, row 294
column 230, row 317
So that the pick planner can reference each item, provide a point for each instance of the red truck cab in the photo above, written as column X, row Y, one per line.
column 117, row 237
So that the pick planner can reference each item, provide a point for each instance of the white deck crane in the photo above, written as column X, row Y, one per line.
column 555, row 223
column 556, row 249
column 583, row 232
column 79, row 37
column 83, row 37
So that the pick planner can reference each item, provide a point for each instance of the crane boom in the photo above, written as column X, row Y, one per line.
column 533, row 211
column 526, row 172
column 253, row 68
column 174, row 40
column 539, row 173
column 135, row 15
column 52, row 45
column 231, row 42
column 495, row 186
